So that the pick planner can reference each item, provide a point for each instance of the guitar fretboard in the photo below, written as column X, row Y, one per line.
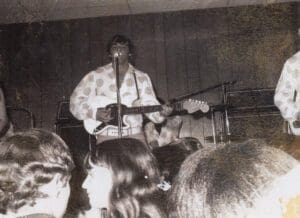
column 149, row 109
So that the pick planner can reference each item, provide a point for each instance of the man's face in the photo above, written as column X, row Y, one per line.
column 121, row 51
column 63, row 198
column 58, row 192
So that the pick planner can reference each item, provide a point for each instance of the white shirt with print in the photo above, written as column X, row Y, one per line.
column 288, row 83
column 98, row 89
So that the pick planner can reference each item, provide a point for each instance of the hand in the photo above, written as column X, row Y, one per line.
column 104, row 115
column 166, row 110
column 151, row 135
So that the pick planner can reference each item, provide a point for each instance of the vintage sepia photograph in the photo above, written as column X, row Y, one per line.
column 149, row 109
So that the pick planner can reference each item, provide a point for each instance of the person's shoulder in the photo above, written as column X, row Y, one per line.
column 141, row 75
column 137, row 71
column 294, row 60
column 103, row 69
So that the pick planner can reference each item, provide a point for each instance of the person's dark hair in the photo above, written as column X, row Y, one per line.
column 29, row 160
column 120, row 39
column 135, row 177
column 191, row 144
column 236, row 180
column 170, row 158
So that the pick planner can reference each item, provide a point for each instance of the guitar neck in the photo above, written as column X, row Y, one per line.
column 150, row 108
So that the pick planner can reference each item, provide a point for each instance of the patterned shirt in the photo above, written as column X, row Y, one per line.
column 288, row 83
column 98, row 89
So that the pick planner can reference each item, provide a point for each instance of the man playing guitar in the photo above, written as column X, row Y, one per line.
column 287, row 93
column 99, row 88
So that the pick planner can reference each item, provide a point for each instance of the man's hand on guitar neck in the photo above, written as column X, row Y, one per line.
column 104, row 115
column 166, row 110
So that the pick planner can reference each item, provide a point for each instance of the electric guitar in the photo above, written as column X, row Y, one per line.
column 95, row 127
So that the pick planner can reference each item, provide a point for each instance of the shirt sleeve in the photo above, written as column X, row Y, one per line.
column 284, row 94
column 84, row 100
column 148, row 97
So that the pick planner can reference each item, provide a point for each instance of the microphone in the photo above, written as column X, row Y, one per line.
column 116, row 54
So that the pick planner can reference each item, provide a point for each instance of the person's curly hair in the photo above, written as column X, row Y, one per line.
column 135, row 177
column 29, row 160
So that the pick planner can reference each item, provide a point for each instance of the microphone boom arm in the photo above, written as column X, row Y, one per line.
column 202, row 91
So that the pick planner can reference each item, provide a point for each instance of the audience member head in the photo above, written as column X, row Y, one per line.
column 237, row 180
column 35, row 168
column 191, row 144
column 170, row 158
column 122, row 177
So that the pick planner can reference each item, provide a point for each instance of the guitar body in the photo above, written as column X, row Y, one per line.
column 114, row 114
column 95, row 127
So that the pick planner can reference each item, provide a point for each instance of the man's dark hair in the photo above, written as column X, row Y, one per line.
column 170, row 158
column 120, row 39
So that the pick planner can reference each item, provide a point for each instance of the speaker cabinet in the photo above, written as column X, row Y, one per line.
column 75, row 136
column 264, row 126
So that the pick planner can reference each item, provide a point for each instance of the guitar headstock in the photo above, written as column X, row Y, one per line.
column 192, row 106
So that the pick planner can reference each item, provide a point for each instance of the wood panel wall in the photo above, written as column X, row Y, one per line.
column 183, row 52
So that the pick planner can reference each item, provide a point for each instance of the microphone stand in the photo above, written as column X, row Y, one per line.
column 227, row 130
column 116, row 63
column 104, row 213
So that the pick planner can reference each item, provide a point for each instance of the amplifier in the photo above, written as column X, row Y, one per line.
column 250, row 99
column 64, row 114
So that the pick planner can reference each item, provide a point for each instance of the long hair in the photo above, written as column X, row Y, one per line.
column 236, row 180
column 29, row 160
column 170, row 158
column 135, row 177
